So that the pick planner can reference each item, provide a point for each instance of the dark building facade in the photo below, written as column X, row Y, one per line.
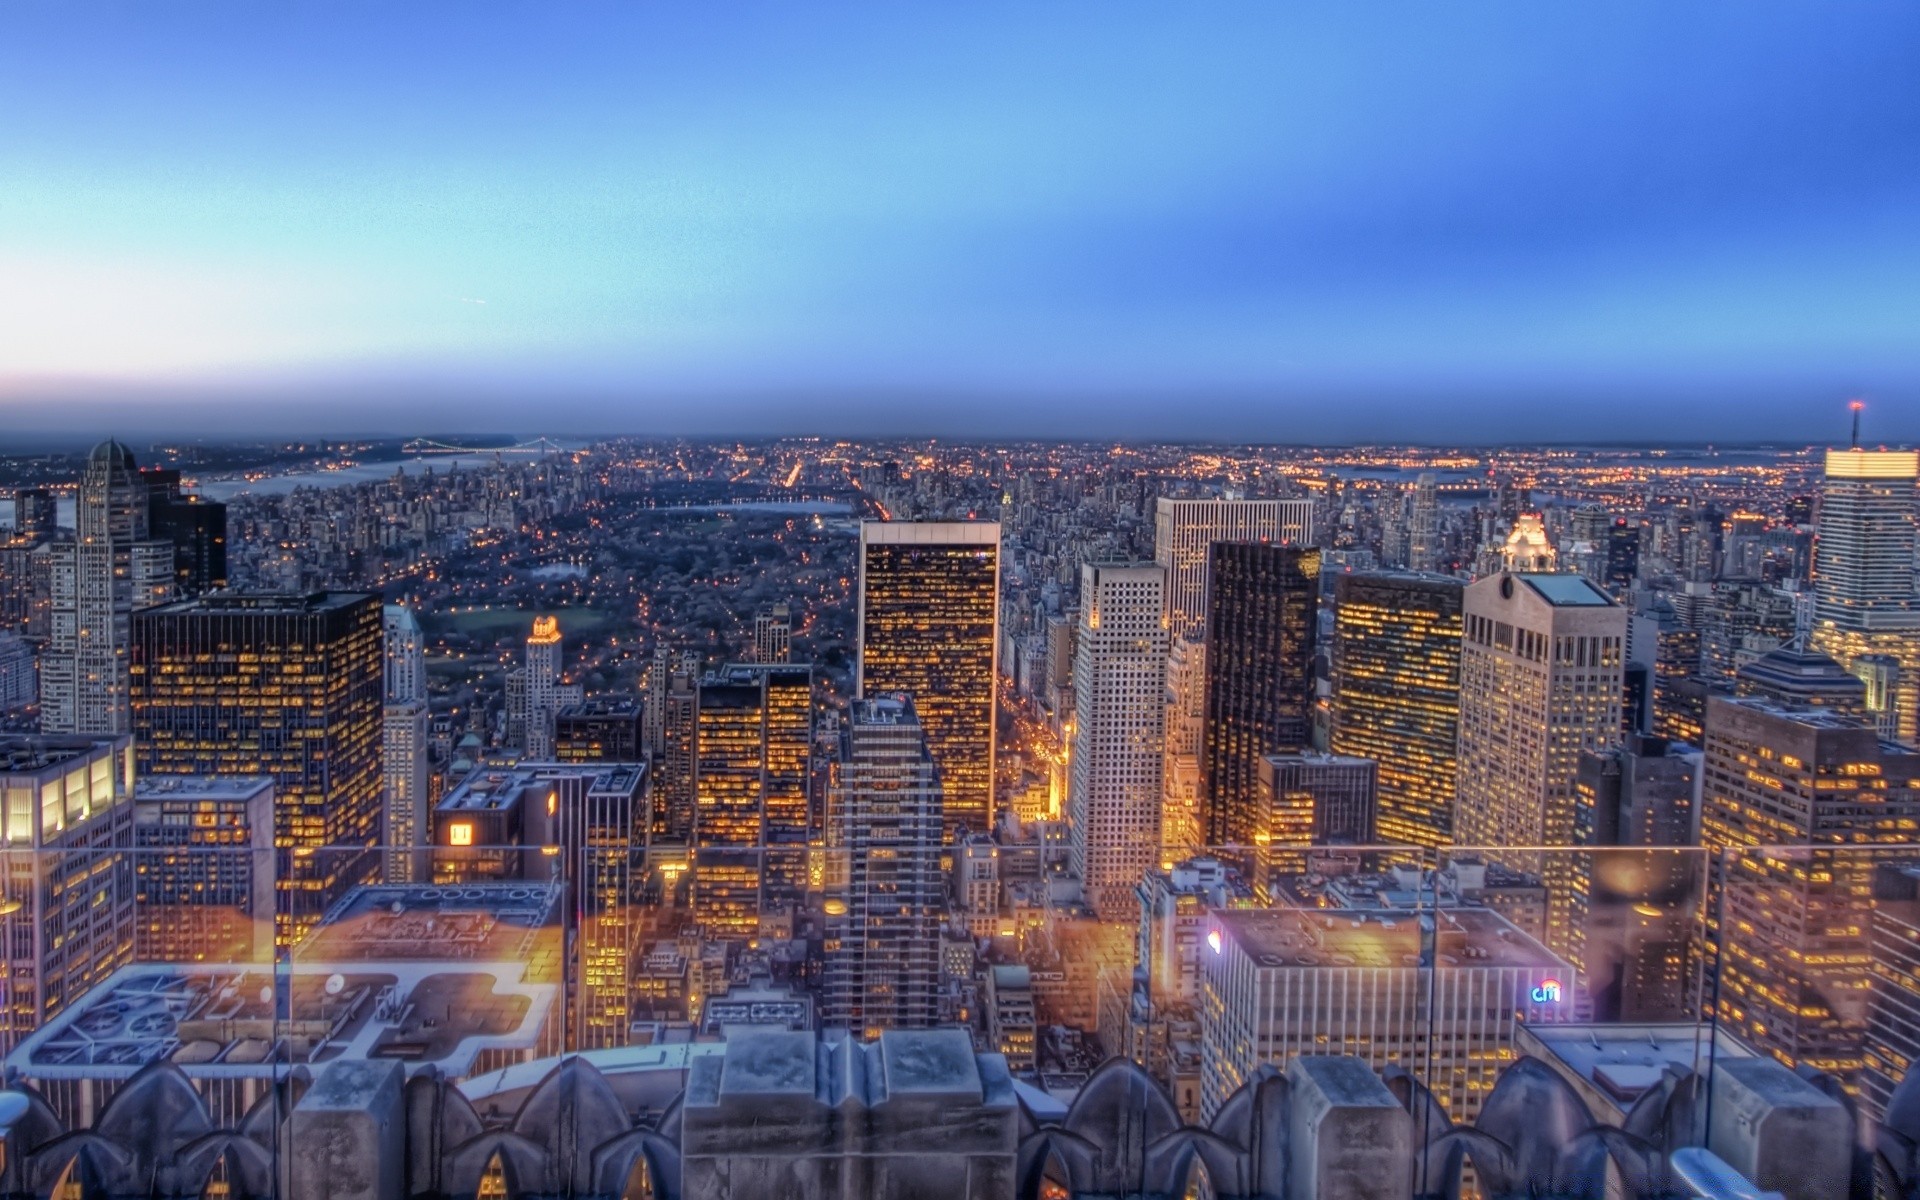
column 606, row 729
column 277, row 684
column 197, row 528
column 1261, row 616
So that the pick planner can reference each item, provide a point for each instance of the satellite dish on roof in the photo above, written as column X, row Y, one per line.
column 398, row 908
column 336, row 983
column 266, row 994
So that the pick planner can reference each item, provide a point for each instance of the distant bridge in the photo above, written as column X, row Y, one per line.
column 539, row 445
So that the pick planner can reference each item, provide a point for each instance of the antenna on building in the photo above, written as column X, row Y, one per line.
column 1856, row 406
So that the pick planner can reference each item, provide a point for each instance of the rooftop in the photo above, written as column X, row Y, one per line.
column 1625, row 1060
column 32, row 754
column 1567, row 591
column 201, row 787
column 1324, row 938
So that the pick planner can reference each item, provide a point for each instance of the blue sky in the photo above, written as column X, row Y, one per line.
column 1268, row 220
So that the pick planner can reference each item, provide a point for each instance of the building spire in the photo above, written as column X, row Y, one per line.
column 1856, row 406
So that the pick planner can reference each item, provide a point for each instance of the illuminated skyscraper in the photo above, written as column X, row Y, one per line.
column 1423, row 529
column 1864, row 601
column 1119, row 681
column 112, row 567
column 403, row 743
column 66, row 879
column 1396, row 695
column 196, row 526
column 1791, row 801
column 929, row 626
column 1262, row 601
column 203, row 871
column 284, row 685
column 542, row 683
column 1310, row 799
column 884, row 885
column 753, row 754
column 1541, row 675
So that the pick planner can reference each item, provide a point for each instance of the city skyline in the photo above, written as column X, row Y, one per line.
column 1251, row 223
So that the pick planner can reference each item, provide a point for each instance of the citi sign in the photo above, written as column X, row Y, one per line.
column 1547, row 991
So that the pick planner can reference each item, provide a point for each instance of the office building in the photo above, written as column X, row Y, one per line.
column 1637, row 896
column 66, row 886
column 1541, row 681
column 884, row 889
column 753, row 755
column 203, row 868
column 1622, row 556
column 1792, row 804
column 1893, row 1010
column 36, row 514
column 1423, row 525
column 1261, row 631
column 1395, row 669
column 1443, row 996
column 1864, row 598
column 196, row 526
column 1186, row 721
column 1012, row 1025
column 19, row 676
column 773, row 635
column 1174, row 906
column 578, row 824
column 1185, row 530
column 404, row 744
column 286, row 685
column 604, row 729
column 1311, row 799
column 542, row 684
column 929, row 626
column 1114, row 780
column 113, row 566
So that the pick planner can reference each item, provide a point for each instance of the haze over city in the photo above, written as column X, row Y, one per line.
column 1466, row 222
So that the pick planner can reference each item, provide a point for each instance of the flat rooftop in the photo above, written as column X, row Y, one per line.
column 510, row 921
column 1626, row 1060
column 225, row 1022
column 1327, row 938
column 31, row 754
column 201, row 787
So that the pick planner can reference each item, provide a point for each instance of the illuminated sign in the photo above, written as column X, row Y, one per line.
column 1213, row 939
column 1547, row 992
column 460, row 834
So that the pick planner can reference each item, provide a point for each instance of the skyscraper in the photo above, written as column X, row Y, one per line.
column 752, row 758
column 542, row 684
column 1864, row 601
column 1792, row 801
column 929, row 626
column 403, row 743
column 66, row 913
column 284, row 685
column 1119, row 674
column 112, row 567
column 196, row 526
column 773, row 635
column 884, row 885
column 1184, row 529
column 1423, row 527
column 1310, row 799
column 1262, row 601
column 1396, row 695
column 1541, row 671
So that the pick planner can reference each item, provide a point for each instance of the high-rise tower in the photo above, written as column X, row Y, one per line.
column 1864, row 599
column 112, row 567
column 1262, row 601
column 1119, row 673
column 1423, row 527
column 403, row 743
column 542, row 683
column 1184, row 529
column 752, row 758
column 1396, row 695
column 884, row 886
column 1542, row 667
column 929, row 627
column 284, row 685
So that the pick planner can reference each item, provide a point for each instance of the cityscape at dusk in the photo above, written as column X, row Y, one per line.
column 637, row 601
